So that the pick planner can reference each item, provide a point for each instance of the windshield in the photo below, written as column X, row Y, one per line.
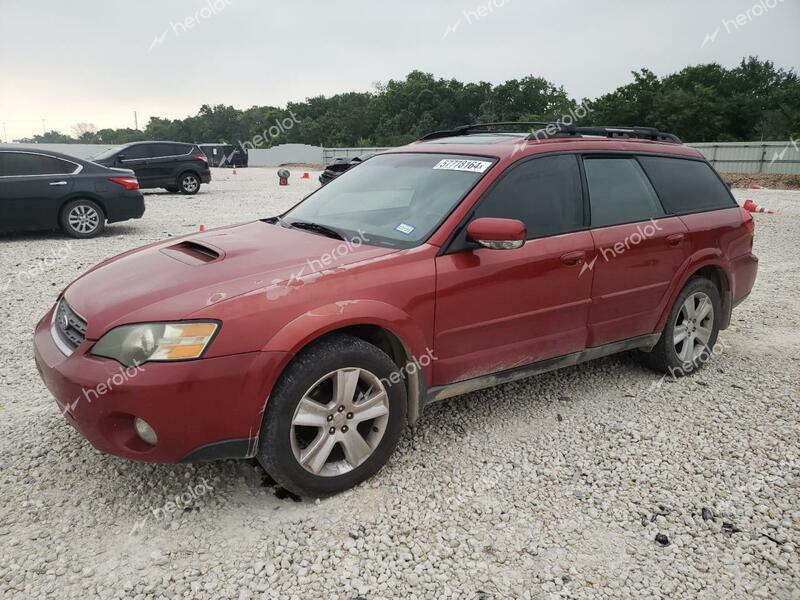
column 107, row 153
column 394, row 200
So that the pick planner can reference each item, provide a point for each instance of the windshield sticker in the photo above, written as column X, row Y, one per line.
column 405, row 229
column 460, row 164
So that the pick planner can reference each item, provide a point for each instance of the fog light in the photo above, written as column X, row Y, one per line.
column 145, row 431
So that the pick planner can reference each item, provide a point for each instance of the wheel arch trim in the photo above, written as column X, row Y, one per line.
column 704, row 259
column 341, row 316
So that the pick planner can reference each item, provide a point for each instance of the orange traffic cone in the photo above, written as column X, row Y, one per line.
column 202, row 227
column 234, row 169
column 752, row 207
column 306, row 176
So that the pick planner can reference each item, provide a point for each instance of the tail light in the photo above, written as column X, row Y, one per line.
column 749, row 221
column 750, row 224
column 200, row 156
column 129, row 183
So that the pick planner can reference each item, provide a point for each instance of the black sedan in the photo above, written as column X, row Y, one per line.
column 41, row 189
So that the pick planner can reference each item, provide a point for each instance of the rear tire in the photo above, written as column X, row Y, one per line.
column 82, row 219
column 687, row 342
column 189, row 183
column 333, row 419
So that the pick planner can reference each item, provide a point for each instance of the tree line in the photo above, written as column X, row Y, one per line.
column 704, row 103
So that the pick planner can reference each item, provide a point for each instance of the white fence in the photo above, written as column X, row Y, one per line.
column 331, row 154
column 733, row 157
column 753, row 157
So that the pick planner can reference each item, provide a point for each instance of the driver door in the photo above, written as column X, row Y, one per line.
column 501, row 309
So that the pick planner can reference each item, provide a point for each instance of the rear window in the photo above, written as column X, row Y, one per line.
column 619, row 192
column 686, row 186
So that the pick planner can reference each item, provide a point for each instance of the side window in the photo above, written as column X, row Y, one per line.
column 136, row 152
column 544, row 193
column 20, row 163
column 171, row 149
column 686, row 186
column 619, row 192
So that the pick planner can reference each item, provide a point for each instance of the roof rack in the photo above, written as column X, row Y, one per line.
column 467, row 129
column 645, row 133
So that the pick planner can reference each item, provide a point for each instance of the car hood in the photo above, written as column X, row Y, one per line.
column 170, row 280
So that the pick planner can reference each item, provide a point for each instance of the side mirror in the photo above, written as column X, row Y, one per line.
column 497, row 234
column 120, row 157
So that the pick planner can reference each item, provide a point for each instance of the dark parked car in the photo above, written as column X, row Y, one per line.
column 450, row 265
column 225, row 155
column 176, row 166
column 40, row 189
column 339, row 166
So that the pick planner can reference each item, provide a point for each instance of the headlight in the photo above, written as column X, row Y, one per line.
column 133, row 345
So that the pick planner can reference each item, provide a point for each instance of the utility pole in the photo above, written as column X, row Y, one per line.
column 5, row 133
column 135, row 121
column 44, row 130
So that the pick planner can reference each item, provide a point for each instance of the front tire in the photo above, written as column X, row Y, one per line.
column 82, row 219
column 189, row 183
column 334, row 417
column 687, row 342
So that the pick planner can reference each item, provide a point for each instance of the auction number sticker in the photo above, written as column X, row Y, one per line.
column 460, row 164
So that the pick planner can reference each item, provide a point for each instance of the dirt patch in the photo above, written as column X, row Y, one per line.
column 774, row 181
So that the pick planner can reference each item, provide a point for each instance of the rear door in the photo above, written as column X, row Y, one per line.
column 639, row 249
column 32, row 187
column 500, row 309
column 167, row 161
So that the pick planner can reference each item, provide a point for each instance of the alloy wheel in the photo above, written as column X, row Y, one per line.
column 83, row 219
column 693, row 327
column 339, row 422
column 190, row 183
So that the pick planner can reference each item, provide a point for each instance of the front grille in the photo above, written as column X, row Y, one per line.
column 69, row 328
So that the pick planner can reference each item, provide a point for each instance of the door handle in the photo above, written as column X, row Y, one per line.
column 58, row 183
column 675, row 239
column 573, row 258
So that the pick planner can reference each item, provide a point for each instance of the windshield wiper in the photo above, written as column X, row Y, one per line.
column 317, row 228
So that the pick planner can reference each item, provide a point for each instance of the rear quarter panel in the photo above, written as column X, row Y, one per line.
column 717, row 238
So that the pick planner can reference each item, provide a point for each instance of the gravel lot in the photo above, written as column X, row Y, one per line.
column 554, row 486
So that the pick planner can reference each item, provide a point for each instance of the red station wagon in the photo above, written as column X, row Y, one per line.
column 467, row 259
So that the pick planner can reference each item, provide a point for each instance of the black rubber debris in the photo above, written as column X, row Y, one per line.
column 662, row 540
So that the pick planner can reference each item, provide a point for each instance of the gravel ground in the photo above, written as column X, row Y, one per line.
column 557, row 486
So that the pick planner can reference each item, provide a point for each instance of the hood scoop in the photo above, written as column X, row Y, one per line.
column 193, row 253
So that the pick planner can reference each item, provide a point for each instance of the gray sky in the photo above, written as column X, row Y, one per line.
column 99, row 60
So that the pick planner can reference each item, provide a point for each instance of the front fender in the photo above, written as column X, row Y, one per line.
column 316, row 322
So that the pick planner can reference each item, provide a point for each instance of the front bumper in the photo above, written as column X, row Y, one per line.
column 203, row 409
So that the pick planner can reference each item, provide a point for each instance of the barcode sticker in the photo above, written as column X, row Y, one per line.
column 460, row 164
